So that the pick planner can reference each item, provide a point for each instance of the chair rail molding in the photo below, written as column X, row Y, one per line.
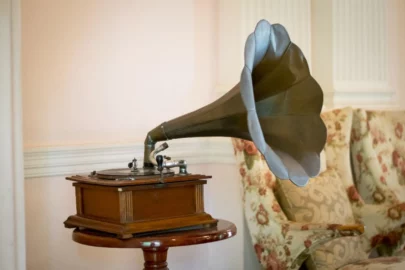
column 12, row 219
column 67, row 160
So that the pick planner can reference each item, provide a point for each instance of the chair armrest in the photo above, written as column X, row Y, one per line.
column 303, row 238
column 382, row 222
column 279, row 241
column 341, row 229
column 355, row 228
column 382, row 216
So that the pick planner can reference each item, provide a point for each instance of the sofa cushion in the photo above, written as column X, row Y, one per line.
column 322, row 200
column 391, row 263
column 337, row 253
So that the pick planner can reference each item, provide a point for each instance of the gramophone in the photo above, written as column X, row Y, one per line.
column 276, row 104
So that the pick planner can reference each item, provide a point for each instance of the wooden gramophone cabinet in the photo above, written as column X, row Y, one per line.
column 128, row 208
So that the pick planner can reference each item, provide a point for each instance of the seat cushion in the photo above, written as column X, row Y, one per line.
column 392, row 263
column 337, row 253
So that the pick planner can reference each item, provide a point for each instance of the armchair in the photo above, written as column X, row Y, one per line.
column 375, row 206
column 279, row 243
column 304, row 229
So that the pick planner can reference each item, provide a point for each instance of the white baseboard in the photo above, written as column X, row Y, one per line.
column 67, row 160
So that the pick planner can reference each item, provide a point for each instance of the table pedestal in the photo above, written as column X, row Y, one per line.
column 155, row 258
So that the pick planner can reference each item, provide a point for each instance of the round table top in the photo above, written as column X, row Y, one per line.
column 222, row 231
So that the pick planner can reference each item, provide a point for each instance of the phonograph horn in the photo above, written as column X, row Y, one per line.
column 276, row 104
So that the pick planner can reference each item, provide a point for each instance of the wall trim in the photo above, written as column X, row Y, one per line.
column 12, row 213
column 67, row 160
column 365, row 54
column 383, row 100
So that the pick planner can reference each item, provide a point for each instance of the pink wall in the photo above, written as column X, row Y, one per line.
column 108, row 71
column 105, row 72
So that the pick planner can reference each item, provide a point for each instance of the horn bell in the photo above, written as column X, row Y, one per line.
column 276, row 104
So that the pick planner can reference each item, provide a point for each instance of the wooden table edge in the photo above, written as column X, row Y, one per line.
column 222, row 231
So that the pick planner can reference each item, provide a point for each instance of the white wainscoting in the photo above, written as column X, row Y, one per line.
column 355, row 47
column 51, row 161
column 364, row 53
column 294, row 15
column 238, row 19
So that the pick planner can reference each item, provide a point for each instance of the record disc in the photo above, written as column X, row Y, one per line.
column 128, row 174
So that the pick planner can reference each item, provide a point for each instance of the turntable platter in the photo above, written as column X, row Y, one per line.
column 128, row 174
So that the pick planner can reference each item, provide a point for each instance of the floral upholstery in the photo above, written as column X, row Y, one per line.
column 279, row 243
column 283, row 240
column 323, row 199
column 397, row 263
column 337, row 253
column 378, row 149
column 378, row 154
column 383, row 223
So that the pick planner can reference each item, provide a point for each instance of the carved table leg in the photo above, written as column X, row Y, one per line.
column 155, row 258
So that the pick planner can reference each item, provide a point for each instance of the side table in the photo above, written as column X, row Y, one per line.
column 155, row 246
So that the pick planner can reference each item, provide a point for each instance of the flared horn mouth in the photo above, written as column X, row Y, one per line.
column 283, row 103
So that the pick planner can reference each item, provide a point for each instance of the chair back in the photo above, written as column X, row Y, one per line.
column 378, row 155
